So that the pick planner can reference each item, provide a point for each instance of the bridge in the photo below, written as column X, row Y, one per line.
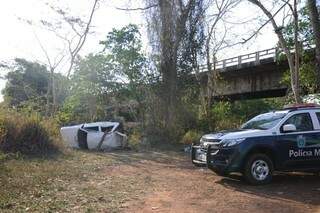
column 250, row 76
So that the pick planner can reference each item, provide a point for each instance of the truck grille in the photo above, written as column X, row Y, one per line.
column 211, row 140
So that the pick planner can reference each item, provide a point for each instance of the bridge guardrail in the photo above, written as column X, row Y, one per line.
column 255, row 57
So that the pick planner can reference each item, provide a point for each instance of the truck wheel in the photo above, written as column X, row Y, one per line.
column 258, row 169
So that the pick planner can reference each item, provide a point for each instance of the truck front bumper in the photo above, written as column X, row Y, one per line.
column 198, row 155
column 220, row 160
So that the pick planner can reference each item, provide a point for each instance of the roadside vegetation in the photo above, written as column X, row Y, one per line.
column 76, row 182
column 30, row 135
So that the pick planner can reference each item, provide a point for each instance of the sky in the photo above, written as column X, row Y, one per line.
column 18, row 39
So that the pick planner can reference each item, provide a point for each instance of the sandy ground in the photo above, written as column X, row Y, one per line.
column 178, row 186
column 128, row 181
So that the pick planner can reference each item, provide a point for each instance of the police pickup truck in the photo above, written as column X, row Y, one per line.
column 283, row 140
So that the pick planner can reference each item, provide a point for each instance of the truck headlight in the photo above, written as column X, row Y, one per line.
column 231, row 142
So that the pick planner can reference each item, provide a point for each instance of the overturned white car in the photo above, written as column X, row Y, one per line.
column 98, row 135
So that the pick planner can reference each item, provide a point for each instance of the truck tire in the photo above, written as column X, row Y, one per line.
column 258, row 169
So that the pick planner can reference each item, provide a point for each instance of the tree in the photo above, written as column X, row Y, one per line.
column 315, row 23
column 72, row 31
column 213, row 44
column 79, row 28
column 307, row 73
column 109, row 80
column 293, row 61
column 167, row 29
column 93, row 77
column 123, row 48
column 27, row 85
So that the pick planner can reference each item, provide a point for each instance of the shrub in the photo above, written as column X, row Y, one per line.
column 27, row 135
column 135, row 138
column 192, row 136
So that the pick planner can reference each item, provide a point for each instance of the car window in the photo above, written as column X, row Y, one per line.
column 92, row 128
column 106, row 129
column 318, row 115
column 302, row 122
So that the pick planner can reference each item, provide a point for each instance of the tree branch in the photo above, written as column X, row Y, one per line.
column 263, row 25
column 138, row 8
column 82, row 39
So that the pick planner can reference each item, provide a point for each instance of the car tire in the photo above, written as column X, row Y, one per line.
column 258, row 169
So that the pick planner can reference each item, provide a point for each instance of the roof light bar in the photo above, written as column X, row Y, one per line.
column 298, row 106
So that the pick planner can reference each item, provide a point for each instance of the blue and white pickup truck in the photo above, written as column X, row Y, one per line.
column 283, row 140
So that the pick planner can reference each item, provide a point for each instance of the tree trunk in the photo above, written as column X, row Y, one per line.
column 102, row 139
column 169, row 90
column 48, row 108
column 53, row 90
column 168, row 62
column 210, row 83
column 285, row 48
column 315, row 22
column 297, row 50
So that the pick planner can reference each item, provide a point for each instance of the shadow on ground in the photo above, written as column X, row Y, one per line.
column 299, row 187
column 134, row 157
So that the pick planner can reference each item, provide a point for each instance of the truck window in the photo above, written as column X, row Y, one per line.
column 92, row 128
column 302, row 122
column 106, row 129
column 318, row 115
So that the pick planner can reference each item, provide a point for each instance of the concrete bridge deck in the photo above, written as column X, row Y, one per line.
column 254, row 75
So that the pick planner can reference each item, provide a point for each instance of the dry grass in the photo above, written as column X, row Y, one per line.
column 149, row 181
column 78, row 182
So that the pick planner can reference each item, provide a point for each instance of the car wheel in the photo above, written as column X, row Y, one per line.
column 258, row 169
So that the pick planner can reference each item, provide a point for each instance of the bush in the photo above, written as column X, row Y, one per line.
column 192, row 136
column 135, row 138
column 229, row 115
column 26, row 135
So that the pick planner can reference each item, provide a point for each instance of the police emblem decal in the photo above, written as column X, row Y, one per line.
column 301, row 141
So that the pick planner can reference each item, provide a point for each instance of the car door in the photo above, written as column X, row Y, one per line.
column 94, row 136
column 315, row 143
column 295, row 147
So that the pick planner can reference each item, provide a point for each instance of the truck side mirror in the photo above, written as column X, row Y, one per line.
column 289, row 128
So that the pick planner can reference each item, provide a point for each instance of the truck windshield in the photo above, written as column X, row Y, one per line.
column 264, row 121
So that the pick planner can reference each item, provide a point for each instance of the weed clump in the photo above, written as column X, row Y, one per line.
column 191, row 136
column 28, row 135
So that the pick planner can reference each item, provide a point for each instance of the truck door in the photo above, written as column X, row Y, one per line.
column 295, row 150
column 94, row 136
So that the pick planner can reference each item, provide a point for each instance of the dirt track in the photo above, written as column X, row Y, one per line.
column 128, row 181
column 178, row 186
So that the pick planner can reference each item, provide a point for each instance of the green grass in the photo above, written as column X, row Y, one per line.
column 76, row 182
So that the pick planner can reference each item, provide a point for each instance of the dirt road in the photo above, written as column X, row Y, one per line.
column 178, row 186
column 131, row 181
